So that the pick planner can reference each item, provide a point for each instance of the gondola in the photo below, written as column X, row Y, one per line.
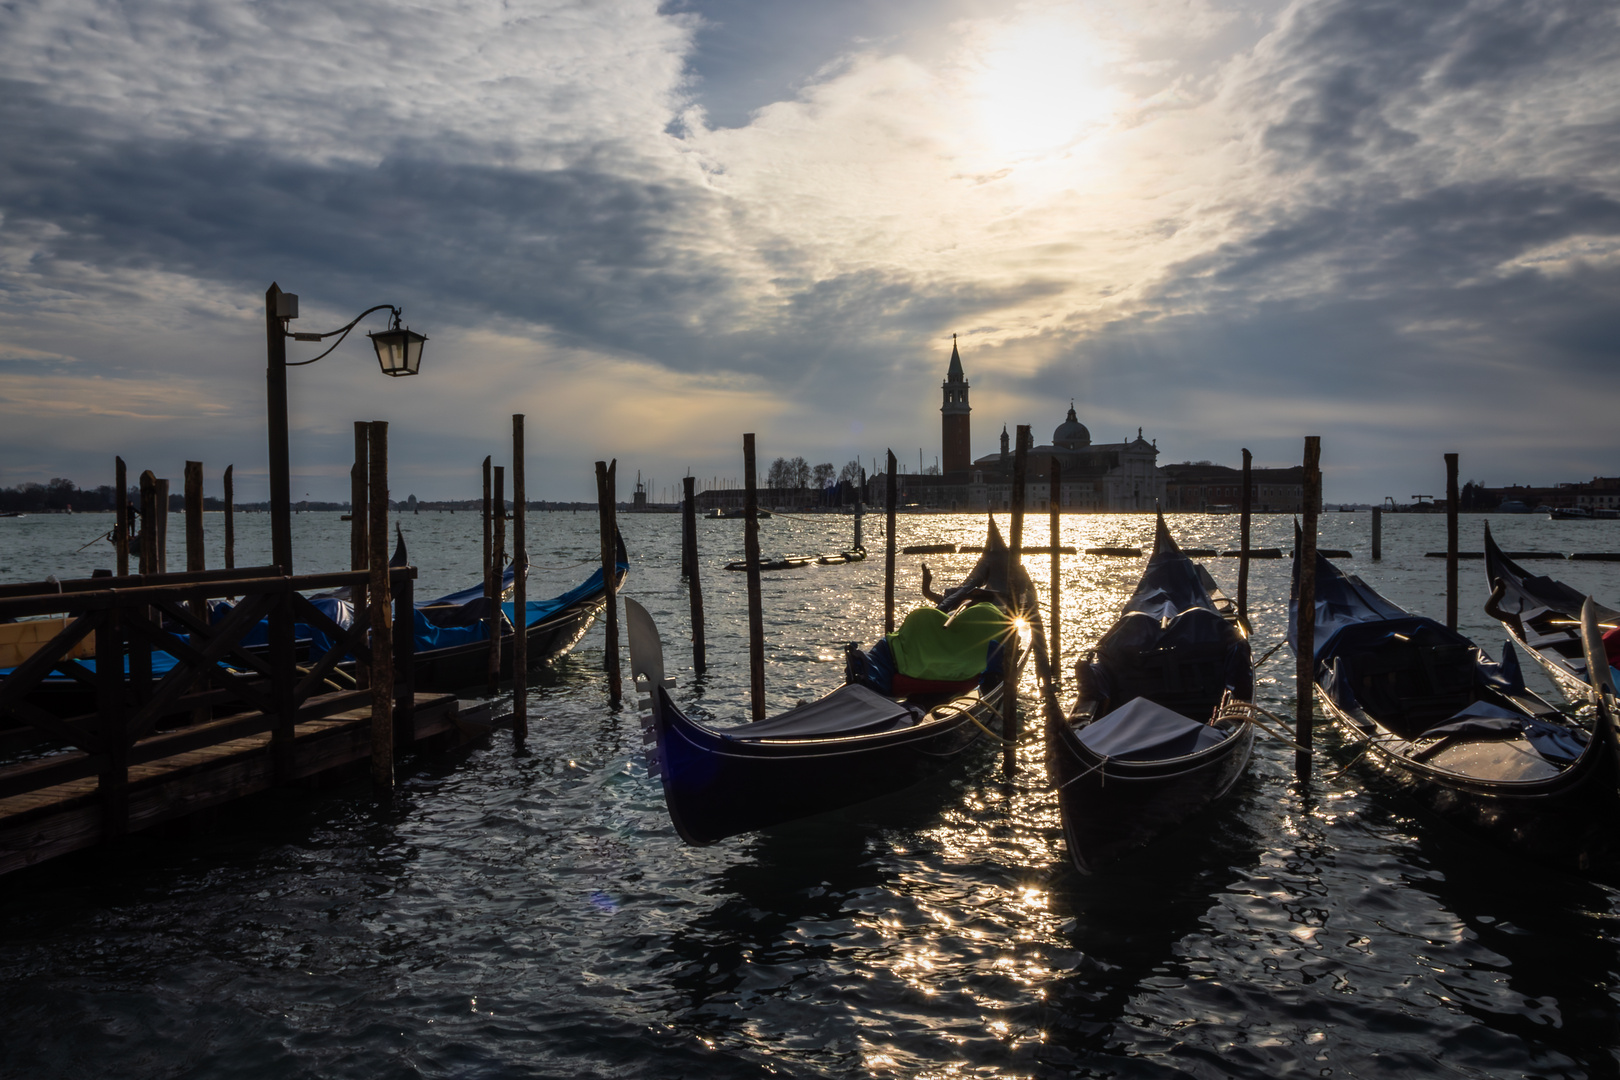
column 1457, row 731
column 854, row 744
column 1543, row 616
column 452, row 639
column 1162, row 725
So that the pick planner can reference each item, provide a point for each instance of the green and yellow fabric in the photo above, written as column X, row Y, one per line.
column 925, row 647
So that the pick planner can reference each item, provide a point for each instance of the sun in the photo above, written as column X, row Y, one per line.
column 1036, row 89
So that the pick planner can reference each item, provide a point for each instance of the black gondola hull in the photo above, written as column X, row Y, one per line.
column 716, row 787
column 1567, row 821
column 467, row 665
column 1110, row 807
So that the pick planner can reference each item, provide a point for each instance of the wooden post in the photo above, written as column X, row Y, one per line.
column 1243, row 540
column 694, row 584
column 756, row 602
column 688, row 528
column 860, row 509
column 160, row 490
column 1305, row 666
column 498, row 554
column 194, row 517
column 1378, row 533
column 121, row 522
column 492, row 623
column 888, row 547
column 1451, row 541
column 1009, row 655
column 382, row 616
column 1055, row 504
column 196, row 561
column 606, row 498
column 230, row 519
column 149, row 549
column 520, row 594
column 359, row 504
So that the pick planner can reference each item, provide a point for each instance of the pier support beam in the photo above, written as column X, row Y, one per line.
column 756, row 598
column 1246, row 508
column 607, row 512
column 1010, row 730
column 520, row 594
column 694, row 583
column 891, row 494
column 382, row 615
column 1305, row 666
column 1451, row 541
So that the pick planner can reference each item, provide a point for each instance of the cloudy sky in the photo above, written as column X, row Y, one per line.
column 651, row 228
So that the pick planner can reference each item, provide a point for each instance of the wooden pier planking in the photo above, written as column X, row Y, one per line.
column 51, row 821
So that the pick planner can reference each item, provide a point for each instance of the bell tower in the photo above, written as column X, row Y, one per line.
column 956, row 442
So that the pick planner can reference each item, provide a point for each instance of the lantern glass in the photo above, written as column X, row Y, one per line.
column 399, row 352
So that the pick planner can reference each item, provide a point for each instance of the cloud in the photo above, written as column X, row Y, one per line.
column 1203, row 221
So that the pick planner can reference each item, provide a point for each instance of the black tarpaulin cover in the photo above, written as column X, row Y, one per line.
column 1141, row 730
column 849, row 710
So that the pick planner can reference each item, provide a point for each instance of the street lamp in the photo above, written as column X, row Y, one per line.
column 399, row 352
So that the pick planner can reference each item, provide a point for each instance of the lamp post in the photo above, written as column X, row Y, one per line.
column 399, row 352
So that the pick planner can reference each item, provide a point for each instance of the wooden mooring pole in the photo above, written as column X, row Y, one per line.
column 121, row 522
column 492, row 614
column 890, row 495
column 194, row 517
column 606, row 499
column 382, row 615
column 1305, row 666
column 196, row 561
column 756, row 599
column 1451, row 541
column 149, row 548
column 520, row 594
column 230, row 519
column 160, row 491
column 498, row 563
column 1243, row 540
column 1054, row 630
column 1378, row 533
column 694, row 584
column 1009, row 655
column 359, row 504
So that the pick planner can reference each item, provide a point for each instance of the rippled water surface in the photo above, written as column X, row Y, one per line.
column 537, row 916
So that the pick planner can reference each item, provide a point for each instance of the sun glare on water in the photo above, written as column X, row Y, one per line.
column 1036, row 89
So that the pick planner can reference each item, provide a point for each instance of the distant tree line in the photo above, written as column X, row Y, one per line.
column 63, row 496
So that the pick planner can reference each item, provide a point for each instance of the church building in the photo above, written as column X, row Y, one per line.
column 1096, row 477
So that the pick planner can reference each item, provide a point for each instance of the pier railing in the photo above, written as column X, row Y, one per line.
column 99, row 717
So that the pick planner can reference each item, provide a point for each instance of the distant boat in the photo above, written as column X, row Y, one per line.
column 1569, row 513
column 731, row 512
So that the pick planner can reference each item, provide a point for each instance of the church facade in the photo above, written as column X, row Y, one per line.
column 1122, row 477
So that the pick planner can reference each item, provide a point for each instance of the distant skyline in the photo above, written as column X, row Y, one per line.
column 652, row 227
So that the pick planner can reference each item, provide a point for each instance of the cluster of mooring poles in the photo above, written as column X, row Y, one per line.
column 1050, row 661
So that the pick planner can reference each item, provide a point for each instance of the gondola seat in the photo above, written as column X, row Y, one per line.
column 1410, row 687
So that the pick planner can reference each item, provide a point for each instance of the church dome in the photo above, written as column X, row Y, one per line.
column 1071, row 434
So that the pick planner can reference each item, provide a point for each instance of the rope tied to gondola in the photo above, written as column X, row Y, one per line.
column 1249, row 712
column 1269, row 652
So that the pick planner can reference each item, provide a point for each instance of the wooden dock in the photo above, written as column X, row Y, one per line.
column 179, row 777
column 96, row 744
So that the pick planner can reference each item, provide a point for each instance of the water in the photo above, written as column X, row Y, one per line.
column 538, row 916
